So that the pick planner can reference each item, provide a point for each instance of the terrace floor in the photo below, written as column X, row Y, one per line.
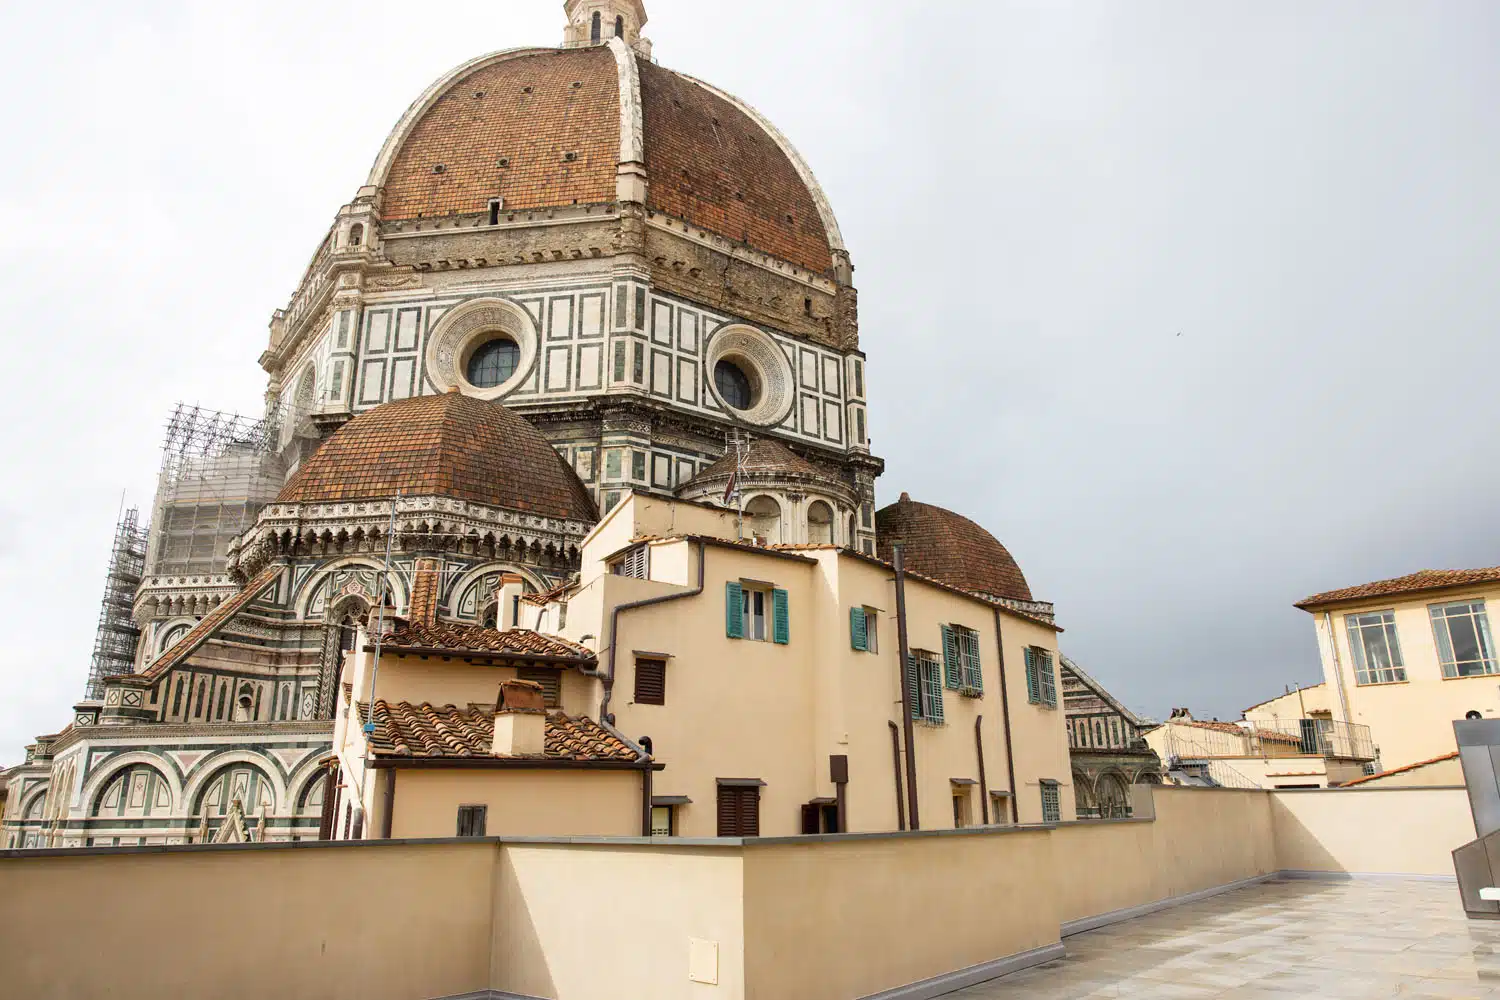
column 1275, row 941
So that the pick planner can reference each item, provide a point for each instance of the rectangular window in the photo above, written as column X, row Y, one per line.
column 635, row 564
column 343, row 330
column 640, row 311
column 1375, row 648
column 1462, row 631
column 471, row 820
column 961, row 669
column 739, row 809
column 550, row 680
column 1051, row 802
column 650, row 682
column 924, row 679
column 862, row 629
column 1041, row 682
column 859, row 379
column 961, row 810
column 763, row 614
column 619, row 361
column 612, row 464
column 638, row 466
column 640, row 363
column 859, row 422
column 622, row 303
column 663, row 823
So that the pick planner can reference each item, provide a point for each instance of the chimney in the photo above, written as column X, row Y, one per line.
column 520, row 720
column 424, row 592
column 512, row 586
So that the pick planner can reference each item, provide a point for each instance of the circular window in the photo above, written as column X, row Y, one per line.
column 493, row 363
column 733, row 385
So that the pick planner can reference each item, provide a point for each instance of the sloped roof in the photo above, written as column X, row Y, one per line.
column 1401, row 770
column 459, row 639
column 1427, row 579
column 951, row 548
column 1093, row 685
column 212, row 623
column 405, row 730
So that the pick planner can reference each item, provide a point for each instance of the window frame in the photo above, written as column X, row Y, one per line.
column 1041, row 678
column 472, row 811
column 671, row 813
column 1356, row 626
column 660, row 693
column 963, row 668
column 740, row 790
column 634, row 564
column 1051, row 801
column 1442, row 636
column 924, row 677
column 772, row 623
column 864, row 631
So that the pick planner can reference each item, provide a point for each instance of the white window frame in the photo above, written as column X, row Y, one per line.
column 1442, row 634
column 756, row 622
column 1356, row 625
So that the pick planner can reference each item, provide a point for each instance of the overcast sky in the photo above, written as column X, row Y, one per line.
column 1192, row 304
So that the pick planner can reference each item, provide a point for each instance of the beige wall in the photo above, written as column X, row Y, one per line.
column 1301, row 704
column 1411, row 721
column 1445, row 773
column 394, row 922
column 545, row 803
column 851, row 918
column 1410, row 831
column 813, row 919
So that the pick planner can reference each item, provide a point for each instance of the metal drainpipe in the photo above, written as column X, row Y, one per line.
column 900, row 796
column 608, row 674
column 1338, row 667
column 1010, row 748
column 906, row 705
column 643, row 761
column 984, row 785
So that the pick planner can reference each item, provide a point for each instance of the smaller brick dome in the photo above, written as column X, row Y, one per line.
column 949, row 548
column 448, row 445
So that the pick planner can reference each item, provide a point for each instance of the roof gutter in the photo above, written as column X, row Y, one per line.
column 608, row 673
column 483, row 654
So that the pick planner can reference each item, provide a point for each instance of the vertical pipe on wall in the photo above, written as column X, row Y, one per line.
column 1338, row 667
column 1010, row 748
column 906, row 692
column 896, row 761
column 984, row 785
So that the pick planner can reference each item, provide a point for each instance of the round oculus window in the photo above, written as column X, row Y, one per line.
column 733, row 385
column 493, row 363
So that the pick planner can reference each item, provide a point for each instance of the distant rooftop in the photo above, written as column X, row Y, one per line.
column 1427, row 579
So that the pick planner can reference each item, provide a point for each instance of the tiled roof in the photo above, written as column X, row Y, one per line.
column 1427, row 579
column 427, row 732
column 211, row 623
column 448, row 445
column 1400, row 770
column 546, row 597
column 518, row 642
column 763, row 456
column 1221, row 727
column 711, row 164
column 531, row 110
column 951, row 548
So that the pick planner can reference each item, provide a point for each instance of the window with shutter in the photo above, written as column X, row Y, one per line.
column 1047, row 680
column 651, row 682
column 782, row 617
column 932, row 690
column 734, row 610
column 471, row 821
column 951, row 667
column 739, row 811
column 1051, row 802
column 913, row 686
column 550, row 680
column 1033, row 685
column 858, row 635
column 635, row 564
column 973, row 672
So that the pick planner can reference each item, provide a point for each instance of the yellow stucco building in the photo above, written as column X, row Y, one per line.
column 1409, row 656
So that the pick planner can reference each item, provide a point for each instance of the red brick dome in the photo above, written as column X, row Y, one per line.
column 542, row 128
column 450, row 445
column 950, row 548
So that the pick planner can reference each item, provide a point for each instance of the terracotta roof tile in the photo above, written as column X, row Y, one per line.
column 531, row 110
column 1427, row 579
column 457, row 638
column 427, row 732
column 211, row 623
column 951, row 548
column 1400, row 770
column 448, row 445
column 764, row 455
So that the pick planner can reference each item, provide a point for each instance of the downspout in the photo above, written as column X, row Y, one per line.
column 984, row 786
column 1010, row 748
column 644, row 762
column 387, row 822
column 896, row 759
column 1338, row 667
column 906, row 705
column 608, row 674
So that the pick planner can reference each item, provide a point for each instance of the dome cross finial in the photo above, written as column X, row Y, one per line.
column 595, row 22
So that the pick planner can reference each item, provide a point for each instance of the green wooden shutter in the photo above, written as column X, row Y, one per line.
column 734, row 611
column 1033, row 687
column 1049, row 682
column 783, row 621
column 933, row 710
column 914, row 688
column 951, row 666
column 859, row 633
column 973, row 673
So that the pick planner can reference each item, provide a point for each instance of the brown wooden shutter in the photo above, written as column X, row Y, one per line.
column 650, row 682
column 729, row 812
column 749, row 812
column 811, row 819
column 550, row 680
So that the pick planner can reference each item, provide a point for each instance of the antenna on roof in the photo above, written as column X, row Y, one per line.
column 732, row 492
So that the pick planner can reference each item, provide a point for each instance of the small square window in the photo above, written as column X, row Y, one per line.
column 650, row 682
column 663, row 821
column 472, row 820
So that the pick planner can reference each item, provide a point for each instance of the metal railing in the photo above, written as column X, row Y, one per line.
column 1323, row 737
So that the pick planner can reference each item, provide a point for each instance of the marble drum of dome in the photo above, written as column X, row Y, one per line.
column 743, row 351
column 482, row 337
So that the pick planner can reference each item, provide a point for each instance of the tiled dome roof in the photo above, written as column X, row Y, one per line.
column 950, row 548
column 763, row 456
column 541, row 128
column 447, row 445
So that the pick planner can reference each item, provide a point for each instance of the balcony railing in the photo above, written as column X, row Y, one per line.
column 1279, row 738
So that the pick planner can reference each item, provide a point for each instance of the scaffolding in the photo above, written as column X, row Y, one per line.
column 217, row 471
column 116, row 637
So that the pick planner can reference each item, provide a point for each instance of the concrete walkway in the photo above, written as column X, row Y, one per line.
column 1276, row 941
